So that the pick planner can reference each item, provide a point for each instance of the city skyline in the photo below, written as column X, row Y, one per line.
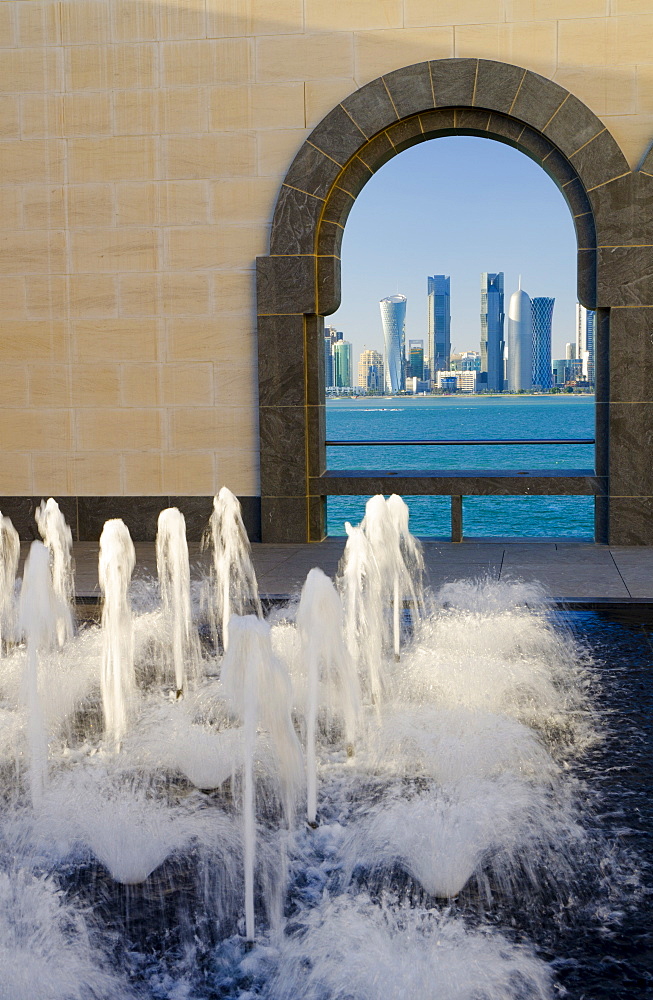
column 515, row 349
column 457, row 207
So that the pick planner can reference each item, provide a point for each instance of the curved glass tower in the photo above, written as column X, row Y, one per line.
column 542, row 317
column 393, row 320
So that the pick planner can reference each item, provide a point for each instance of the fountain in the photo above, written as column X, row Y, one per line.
column 173, row 570
column 377, row 793
column 38, row 619
column 116, row 565
column 58, row 539
column 233, row 581
column 331, row 678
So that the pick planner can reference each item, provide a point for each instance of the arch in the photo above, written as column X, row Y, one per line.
column 298, row 282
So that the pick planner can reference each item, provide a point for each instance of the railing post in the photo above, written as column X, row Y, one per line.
column 456, row 518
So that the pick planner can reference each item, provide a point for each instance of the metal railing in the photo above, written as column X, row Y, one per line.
column 457, row 499
column 484, row 441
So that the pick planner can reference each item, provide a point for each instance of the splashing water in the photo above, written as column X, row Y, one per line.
column 116, row 565
column 9, row 555
column 234, row 590
column 45, row 945
column 173, row 569
column 359, row 583
column 352, row 948
column 58, row 538
column 39, row 615
column 331, row 679
column 399, row 559
column 257, row 686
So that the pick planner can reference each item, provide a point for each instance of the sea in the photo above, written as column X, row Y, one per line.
column 459, row 418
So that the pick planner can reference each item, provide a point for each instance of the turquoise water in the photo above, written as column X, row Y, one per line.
column 475, row 417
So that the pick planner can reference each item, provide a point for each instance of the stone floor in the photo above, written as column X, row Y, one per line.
column 568, row 571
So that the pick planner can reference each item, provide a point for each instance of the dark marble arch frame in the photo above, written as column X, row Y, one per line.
column 298, row 283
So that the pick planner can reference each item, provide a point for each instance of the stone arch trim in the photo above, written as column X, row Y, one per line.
column 299, row 281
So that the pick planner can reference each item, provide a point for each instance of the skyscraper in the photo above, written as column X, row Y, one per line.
column 416, row 358
column 585, row 331
column 439, row 329
column 393, row 320
column 370, row 371
column 542, row 317
column 492, row 319
column 342, row 364
column 331, row 337
column 520, row 342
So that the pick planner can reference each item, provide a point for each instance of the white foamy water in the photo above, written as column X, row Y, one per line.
column 45, row 946
column 353, row 948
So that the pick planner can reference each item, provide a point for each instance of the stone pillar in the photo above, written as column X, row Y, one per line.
column 291, row 399
column 625, row 284
column 630, row 432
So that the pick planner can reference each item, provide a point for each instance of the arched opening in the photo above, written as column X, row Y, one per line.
column 467, row 217
column 298, row 284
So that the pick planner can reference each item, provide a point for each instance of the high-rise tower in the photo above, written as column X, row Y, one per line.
column 370, row 371
column 416, row 358
column 520, row 342
column 585, row 332
column 342, row 364
column 542, row 317
column 438, row 350
column 331, row 336
column 393, row 319
column 492, row 319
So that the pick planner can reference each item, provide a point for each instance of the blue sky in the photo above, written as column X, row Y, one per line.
column 457, row 205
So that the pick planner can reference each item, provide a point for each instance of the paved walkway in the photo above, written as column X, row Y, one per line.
column 568, row 571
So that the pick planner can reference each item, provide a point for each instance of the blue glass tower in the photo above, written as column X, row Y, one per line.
column 439, row 329
column 542, row 317
column 393, row 320
column 492, row 339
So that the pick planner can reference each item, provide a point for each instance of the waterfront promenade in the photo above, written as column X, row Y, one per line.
column 569, row 571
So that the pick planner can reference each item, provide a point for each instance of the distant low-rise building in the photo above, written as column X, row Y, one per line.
column 418, row 385
column 461, row 381
column 566, row 370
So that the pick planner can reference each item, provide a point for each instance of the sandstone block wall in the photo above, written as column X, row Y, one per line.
column 142, row 146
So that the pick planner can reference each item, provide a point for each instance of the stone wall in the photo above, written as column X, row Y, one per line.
column 142, row 149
